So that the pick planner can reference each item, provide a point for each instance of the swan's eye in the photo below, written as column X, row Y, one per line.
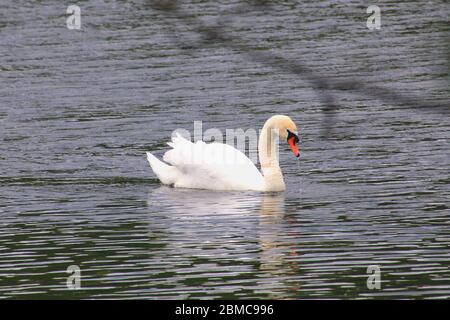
column 292, row 140
column 292, row 136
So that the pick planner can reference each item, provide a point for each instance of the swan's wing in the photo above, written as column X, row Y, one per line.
column 212, row 165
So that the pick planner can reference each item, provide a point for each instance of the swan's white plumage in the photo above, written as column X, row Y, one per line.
column 206, row 166
column 218, row 166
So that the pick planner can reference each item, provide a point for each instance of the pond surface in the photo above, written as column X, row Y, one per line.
column 79, row 108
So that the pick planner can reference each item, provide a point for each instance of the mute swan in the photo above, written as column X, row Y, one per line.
column 207, row 166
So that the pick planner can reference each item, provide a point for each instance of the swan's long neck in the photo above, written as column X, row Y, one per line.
column 268, row 158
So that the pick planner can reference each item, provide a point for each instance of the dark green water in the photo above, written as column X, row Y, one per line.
column 78, row 110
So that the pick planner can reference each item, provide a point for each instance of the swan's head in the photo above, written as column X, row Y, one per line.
column 286, row 129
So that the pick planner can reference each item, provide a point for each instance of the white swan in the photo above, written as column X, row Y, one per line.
column 218, row 166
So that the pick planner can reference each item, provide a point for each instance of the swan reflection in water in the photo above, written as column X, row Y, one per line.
column 231, row 241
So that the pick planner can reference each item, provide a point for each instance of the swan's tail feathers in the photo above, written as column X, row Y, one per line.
column 165, row 173
column 178, row 140
column 181, row 152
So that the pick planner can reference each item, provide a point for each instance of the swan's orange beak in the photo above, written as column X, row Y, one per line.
column 293, row 140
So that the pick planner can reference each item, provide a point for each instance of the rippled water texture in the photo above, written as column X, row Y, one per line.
column 78, row 110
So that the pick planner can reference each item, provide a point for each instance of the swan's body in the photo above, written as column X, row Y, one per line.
column 218, row 166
